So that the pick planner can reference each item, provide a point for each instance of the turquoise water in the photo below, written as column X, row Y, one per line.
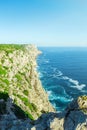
column 63, row 72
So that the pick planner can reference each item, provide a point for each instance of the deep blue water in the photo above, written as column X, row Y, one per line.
column 63, row 72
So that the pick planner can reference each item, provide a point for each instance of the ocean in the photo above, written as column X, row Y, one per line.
column 63, row 73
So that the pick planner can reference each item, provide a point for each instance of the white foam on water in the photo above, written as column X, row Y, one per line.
column 52, row 96
column 75, row 83
column 46, row 61
column 61, row 98
column 60, row 73
column 49, row 93
column 65, row 78
column 37, row 67
column 57, row 73
column 40, row 74
column 79, row 87
column 54, row 105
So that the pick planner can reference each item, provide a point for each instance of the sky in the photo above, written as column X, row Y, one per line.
column 44, row 22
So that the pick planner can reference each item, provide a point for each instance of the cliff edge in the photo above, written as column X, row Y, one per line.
column 19, row 79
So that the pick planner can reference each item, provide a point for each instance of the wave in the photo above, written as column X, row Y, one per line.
column 65, row 78
column 79, row 87
column 61, row 88
column 37, row 68
column 46, row 61
column 52, row 97
column 54, row 105
column 40, row 74
column 49, row 93
column 57, row 73
column 74, row 83
column 61, row 98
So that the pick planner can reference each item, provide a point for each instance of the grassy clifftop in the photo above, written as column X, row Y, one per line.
column 19, row 79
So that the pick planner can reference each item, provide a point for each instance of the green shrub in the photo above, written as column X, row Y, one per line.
column 11, row 60
column 6, row 81
column 26, row 92
column 18, row 76
column 9, row 48
column 34, row 107
column 26, row 102
column 2, row 61
column 29, row 115
column 2, row 71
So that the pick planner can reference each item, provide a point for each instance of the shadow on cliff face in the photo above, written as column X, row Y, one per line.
column 74, row 116
column 8, row 107
column 67, row 120
column 44, row 122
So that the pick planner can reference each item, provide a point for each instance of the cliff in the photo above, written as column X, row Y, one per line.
column 24, row 104
column 19, row 79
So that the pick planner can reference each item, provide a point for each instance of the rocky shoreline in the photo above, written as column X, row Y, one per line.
column 24, row 104
column 73, row 118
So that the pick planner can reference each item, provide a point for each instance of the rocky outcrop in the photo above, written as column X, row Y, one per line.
column 76, row 114
column 73, row 118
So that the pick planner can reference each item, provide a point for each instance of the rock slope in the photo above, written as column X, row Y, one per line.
column 19, row 79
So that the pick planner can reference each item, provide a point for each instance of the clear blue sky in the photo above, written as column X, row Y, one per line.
column 44, row 22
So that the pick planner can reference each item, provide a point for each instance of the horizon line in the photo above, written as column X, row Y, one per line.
column 42, row 45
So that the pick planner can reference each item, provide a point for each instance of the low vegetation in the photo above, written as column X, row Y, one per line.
column 13, row 79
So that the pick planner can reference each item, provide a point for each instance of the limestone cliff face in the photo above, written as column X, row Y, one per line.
column 18, row 78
